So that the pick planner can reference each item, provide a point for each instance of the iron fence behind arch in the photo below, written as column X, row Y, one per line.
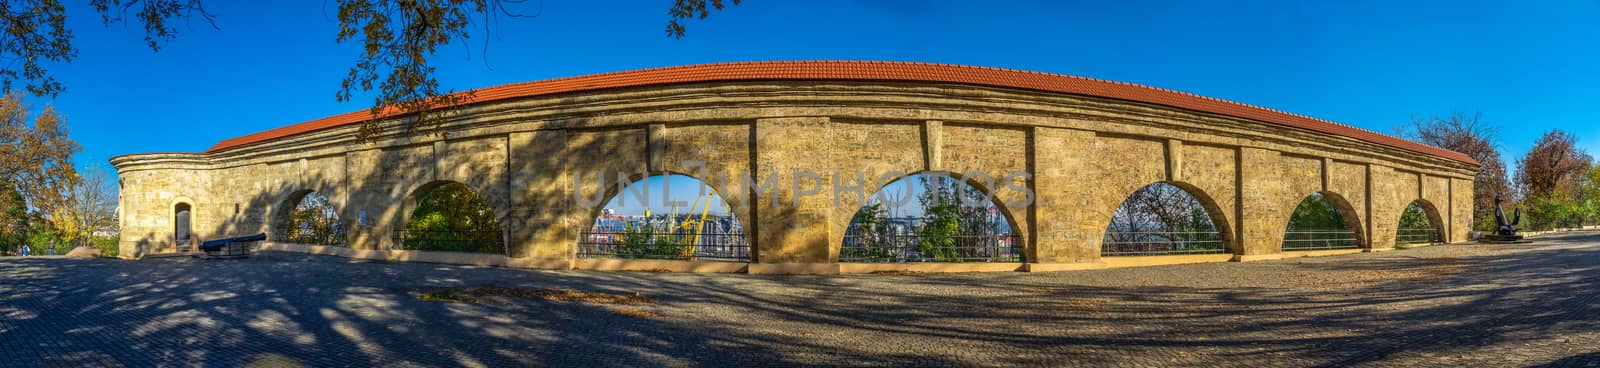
column 1320, row 240
column 466, row 241
column 917, row 248
column 901, row 239
column 1152, row 243
column 1418, row 236
column 655, row 244
column 704, row 237
column 326, row 239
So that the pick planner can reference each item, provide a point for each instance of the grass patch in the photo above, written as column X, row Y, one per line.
column 634, row 312
column 896, row 272
column 473, row 294
column 1411, row 245
column 446, row 296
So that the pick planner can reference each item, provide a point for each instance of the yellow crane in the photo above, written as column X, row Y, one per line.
column 692, row 226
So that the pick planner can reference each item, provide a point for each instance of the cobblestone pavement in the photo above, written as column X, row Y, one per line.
column 1454, row 305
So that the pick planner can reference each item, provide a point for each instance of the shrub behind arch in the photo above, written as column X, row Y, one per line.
column 312, row 220
column 949, row 221
column 697, row 225
column 1322, row 221
column 1162, row 218
column 1419, row 225
column 451, row 217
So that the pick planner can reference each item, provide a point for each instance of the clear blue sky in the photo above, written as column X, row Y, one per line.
column 1371, row 64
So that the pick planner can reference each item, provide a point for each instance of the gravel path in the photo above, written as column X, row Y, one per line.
column 1453, row 305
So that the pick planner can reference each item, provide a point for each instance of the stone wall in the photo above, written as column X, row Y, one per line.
column 1079, row 158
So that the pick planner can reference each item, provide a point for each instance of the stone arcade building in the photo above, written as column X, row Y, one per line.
column 1085, row 145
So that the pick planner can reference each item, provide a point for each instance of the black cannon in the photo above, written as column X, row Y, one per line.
column 231, row 247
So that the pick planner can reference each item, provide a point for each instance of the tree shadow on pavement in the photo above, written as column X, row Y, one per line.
column 1512, row 307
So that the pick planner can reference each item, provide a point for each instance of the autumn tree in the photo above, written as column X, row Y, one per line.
column 13, row 219
column 1555, row 164
column 1588, row 197
column 398, row 39
column 90, row 206
column 315, row 221
column 1466, row 134
column 35, row 157
column 1549, row 177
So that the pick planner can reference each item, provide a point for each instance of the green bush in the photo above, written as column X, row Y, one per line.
column 453, row 218
column 42, row 238
column 644, row 242
column 107, row 245
column 868, row 233
column 939, row 235
column 454, row 241
column 1544, row 213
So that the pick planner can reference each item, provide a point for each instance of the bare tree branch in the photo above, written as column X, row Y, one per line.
column 683, row 10
column 398, row 38
column 34, row 33
column 155, row 15
column 1467, row 134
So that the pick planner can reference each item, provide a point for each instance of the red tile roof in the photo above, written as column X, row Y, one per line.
column 881, row 71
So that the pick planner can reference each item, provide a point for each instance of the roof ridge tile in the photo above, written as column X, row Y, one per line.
column 876, row 70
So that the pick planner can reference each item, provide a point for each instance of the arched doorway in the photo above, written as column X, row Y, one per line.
column 450, row 217
column 1163, row 219
column 182, row 227
column 930, row 217
column 1322, row 221
column 309, row 218
column 1419, row 224
column 673, row 217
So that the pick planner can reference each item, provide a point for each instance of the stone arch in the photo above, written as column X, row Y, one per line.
column 183, row 236
column 733, row 244
column 1353, row 219
column 1021, row 250
column 168, row 215
column 282, row 218
column 1348, row 216
column 1435, row 223
column 414, row 191
column 283, row 208
column 864, row 177
column 739, row 209
column 522, row 158
column 1214, row 212
column 288, row 193
column 420, row 192
column 180, row 200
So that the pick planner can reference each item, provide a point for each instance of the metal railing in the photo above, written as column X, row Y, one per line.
column 1151, row 243
column 467, row 241
column 916, row 248
column 331, row 239
column 1418, row 236
column 1320, row 240
column 729, row 246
